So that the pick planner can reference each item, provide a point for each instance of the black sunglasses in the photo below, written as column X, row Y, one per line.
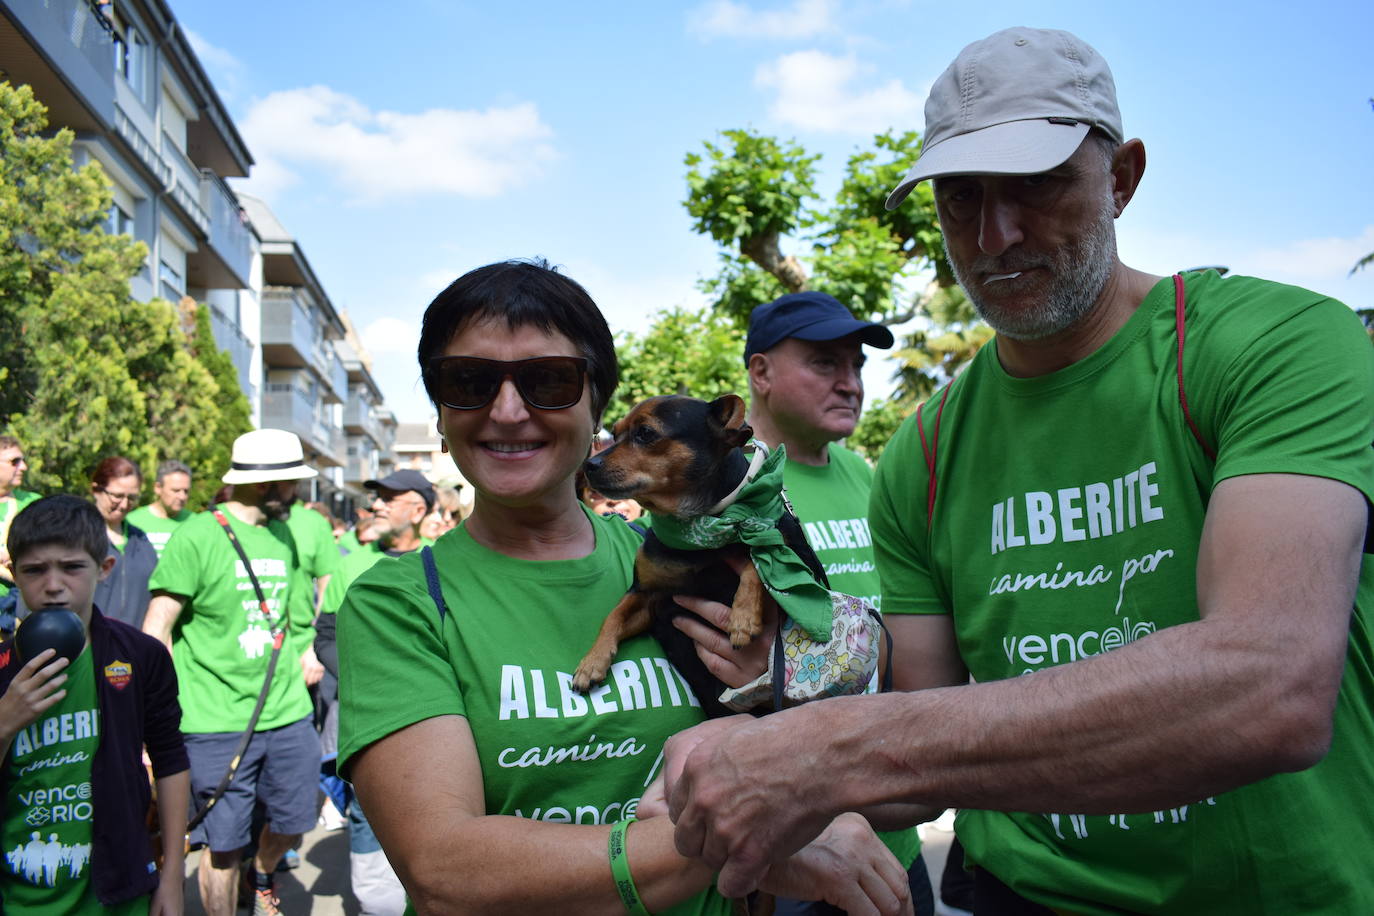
column 545, row 382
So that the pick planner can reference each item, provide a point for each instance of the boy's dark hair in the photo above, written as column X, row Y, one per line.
column 524, row 293
column 63, row 519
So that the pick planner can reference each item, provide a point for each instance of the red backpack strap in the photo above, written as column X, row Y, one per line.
column 1182, row 396
column 928, row 448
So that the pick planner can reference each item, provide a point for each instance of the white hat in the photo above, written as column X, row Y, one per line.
column 1019, row 102
column 267, row 454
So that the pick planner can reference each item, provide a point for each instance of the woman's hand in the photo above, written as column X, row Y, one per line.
column 847, row 866
column 732, row 667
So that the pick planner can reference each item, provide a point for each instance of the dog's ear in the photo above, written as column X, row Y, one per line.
column 727, row 412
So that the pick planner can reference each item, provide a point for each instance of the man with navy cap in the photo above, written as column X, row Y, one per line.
column 1139, row 521
column 805, row 357
column 403, row 499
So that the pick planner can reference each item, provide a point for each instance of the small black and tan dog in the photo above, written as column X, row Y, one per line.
column 681, row 456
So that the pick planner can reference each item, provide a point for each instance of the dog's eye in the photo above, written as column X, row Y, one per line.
column 645, row 435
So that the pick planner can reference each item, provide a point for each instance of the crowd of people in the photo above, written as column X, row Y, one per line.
column 1122, row 556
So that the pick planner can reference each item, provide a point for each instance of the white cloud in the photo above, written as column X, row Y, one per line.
column 726, row 19
column 391, row 335
column 818, row 91
column 1321, row 264
column 224, row 68
column 376, row 154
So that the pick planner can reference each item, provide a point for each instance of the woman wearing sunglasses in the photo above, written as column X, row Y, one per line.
column 491, row 783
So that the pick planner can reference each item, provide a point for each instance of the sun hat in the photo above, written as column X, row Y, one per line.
column 808, row 316
column 267, row 454
column 1019, row 102
column 403, row 480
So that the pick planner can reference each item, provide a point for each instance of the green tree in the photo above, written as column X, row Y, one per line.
column 699, row 353
column 750, row 193
column 85, row 371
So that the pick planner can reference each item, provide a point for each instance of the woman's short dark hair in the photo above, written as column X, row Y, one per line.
column 524, row 293
column 63, row 519
column 112, row 467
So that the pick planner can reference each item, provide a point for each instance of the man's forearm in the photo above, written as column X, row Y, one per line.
column 1182, row 715
column 172, row 794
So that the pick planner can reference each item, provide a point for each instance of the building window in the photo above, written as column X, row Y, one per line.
column 173, row 286
column 120, row 222
column 130, row 51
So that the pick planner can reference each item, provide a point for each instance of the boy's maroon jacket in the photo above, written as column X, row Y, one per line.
column 137, row 689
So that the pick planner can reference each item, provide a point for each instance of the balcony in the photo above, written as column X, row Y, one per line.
column 360, row 419
column 240, row 349
column 364, row 465
column 225, row 263
column 331, row 369
column 285, row 406
column 62, row 48
column 288, row 330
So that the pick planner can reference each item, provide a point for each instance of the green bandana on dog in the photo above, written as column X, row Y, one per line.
column 752, row 519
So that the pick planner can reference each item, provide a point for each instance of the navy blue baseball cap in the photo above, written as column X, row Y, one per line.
column 403, row 480
column 808, row 316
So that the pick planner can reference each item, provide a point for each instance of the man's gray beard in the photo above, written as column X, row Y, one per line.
column 1080, row 272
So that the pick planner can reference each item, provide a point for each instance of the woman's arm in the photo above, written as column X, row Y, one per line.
column 422, row 790
column 454, row 858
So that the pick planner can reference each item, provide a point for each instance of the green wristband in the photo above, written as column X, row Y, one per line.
column 620, row 871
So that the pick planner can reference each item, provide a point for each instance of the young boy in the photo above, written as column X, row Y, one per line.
column 73, row 790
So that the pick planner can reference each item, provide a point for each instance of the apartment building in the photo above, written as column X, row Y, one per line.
column 304, row 380
column 369, row 427
column 122, row 76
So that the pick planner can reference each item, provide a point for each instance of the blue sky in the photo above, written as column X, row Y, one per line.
column 405, row 143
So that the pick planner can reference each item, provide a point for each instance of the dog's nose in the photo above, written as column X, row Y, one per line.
column 592, row 464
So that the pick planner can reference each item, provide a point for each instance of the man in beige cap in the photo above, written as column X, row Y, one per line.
column 1136, row 521
column 226, row 643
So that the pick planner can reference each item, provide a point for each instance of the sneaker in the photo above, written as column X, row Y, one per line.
column 265, row 902
column 291, row 859
column 330, row 818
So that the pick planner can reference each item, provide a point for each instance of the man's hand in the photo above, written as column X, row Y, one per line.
column 311, row 667
column 733, row 667
column 847, row 866
column 36, row 687
column 745, row 794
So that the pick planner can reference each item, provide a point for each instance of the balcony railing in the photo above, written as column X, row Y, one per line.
column 288, row 332
column 240, row 349
column 186, row 187
column 285, row 406
column 359, row 416
column 229, row 234
column 143, row 148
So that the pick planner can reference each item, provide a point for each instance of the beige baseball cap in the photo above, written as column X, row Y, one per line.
column 1018, row 102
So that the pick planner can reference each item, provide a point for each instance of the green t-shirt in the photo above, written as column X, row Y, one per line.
column 158, row 529
column 504, row 659
column 831, row 501
column 221, row 642
column 319, row 553
column 350, row 568
column 48, row 811
column 1068, row 514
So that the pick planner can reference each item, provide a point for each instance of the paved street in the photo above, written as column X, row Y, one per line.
column 320, row 886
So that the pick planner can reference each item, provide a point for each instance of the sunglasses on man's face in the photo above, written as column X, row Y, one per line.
column 545, row 382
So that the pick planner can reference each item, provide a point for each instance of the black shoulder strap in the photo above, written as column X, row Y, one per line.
column 432, row 581
column 278, row 638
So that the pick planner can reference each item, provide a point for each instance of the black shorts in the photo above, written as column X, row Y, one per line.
column 281, row 767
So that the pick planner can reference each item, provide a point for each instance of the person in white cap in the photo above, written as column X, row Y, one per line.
column 1139, row 521
column 206, row 610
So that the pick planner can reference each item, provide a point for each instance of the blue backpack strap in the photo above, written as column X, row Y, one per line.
column 432, row 580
